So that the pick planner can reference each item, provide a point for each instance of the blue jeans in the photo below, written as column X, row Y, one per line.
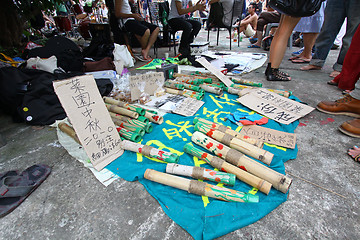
column 335, row 13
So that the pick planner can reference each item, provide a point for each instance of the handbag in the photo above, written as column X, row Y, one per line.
column 296, row 8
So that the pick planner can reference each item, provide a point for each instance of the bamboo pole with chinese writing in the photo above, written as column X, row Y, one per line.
column 233, row 142
column 200, row 188
column 150, row 151
column 146, row 125
column 122, row 104
column 211, row 89
column 189, row 86
column 174, row 85
column 153, row 117
column 69, row 131
column 228, row 130
column 203, row 79
column 122, row 111
column 130, row 127
column 201, row 173
column 278, row 180
column 218, row 163
column 246, row 82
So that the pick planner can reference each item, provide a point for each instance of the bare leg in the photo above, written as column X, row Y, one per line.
column 309, row 41
column 279, row 43
column 152, row 39
column 258, row 35
column 143, row 40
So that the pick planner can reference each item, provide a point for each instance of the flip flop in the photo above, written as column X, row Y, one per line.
column 293, row 58
column 14, row 188
column 253, row 46
column 142, row 59
column 300, row 60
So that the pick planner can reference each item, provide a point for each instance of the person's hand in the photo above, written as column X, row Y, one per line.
column 137, row 17
column 200, row 5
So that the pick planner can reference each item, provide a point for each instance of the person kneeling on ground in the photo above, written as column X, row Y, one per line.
column 145, row 32
column 177, row 21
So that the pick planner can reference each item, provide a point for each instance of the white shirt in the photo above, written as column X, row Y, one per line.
column 125, row 8
column 173, row 10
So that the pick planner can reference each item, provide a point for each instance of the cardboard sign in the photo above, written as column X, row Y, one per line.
column 274, row 106
column 86, row 110
column 188, row 107
column 148, row 83
column 268, row 135
column 226, row 80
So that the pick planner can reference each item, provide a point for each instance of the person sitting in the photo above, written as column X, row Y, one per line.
column 146, row 33
column 177, row 21
column 248, row 24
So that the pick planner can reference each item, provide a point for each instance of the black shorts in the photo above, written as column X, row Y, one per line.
column 139, row 27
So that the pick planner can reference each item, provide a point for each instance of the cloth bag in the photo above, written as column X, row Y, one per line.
column 296, row 8
column 122, row 53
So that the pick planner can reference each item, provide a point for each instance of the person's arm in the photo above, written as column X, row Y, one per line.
column 119, row 14
column 198, row 6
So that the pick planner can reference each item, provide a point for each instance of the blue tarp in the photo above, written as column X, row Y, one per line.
column 202, row 217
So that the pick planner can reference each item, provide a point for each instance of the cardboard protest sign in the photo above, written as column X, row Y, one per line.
column 147, row 83
column 268, row 135
column 274, row 106
column 86, row 111
column 188, row 107
column 226, row 80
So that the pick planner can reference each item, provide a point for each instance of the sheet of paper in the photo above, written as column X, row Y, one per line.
column 274, row 106
column 81, row 100
column 226, row 80
column 188, row 107
column 271, row 136
column 148, row 83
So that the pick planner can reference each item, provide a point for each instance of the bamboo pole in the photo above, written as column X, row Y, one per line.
column 200, row 188
column 122, row 111
column 150, row 151
column 278, row 180
column 146, row 126
column 186, row 93
column 155, row 118
column 129, row 135
column 129, row 127
column 174, row 85
column 218, row 163
column 122, row 104
column 235, row 143
column 232, row 90
column 69, row 131
column 246, row 82
column 211, row 89
column 228, row 130
column 201, row 173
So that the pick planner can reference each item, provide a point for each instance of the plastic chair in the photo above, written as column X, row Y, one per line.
column 237, row 10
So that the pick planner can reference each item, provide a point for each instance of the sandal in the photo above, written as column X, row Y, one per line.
column 280, row 72
column 354, row 152
column 276, row 75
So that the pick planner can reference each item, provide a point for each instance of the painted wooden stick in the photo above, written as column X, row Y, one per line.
column 122, row 111
column 211, row 89
column 129, row 135
column 246, row 82
column 146, row 125
column 130, row 127
column 235, row 143
column 185, row 92
column 278, row 180
column 228, row 130
column 201, row 173
column 200, row 188
column 69, row 131
column 126, row 105
column 224, row 166
column 150, row 151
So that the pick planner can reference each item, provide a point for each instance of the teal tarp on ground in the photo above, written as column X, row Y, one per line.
column 202, row 217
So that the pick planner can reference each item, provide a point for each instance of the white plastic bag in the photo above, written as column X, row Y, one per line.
column 122, row 53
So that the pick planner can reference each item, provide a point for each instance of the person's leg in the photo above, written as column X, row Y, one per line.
column 309, row 41
column 265, row 18
column 181, row 24
column 334, row 16
column 154, row 32
column 196, row 27
column 279, row 43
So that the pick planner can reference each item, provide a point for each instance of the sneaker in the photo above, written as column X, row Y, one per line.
column 347, row 106
column 298, row 52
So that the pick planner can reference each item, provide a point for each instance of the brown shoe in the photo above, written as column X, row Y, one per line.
column 351, row 128
column 348, row 106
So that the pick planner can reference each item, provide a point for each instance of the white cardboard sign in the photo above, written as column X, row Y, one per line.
column 92, row 123
column 148, row 83
column 226, row 80
column 274, row 106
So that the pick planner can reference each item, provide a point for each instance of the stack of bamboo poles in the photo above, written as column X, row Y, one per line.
column 232, row 152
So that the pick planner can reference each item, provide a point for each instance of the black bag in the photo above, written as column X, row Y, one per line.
column 296, row 8
column 216, row 15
